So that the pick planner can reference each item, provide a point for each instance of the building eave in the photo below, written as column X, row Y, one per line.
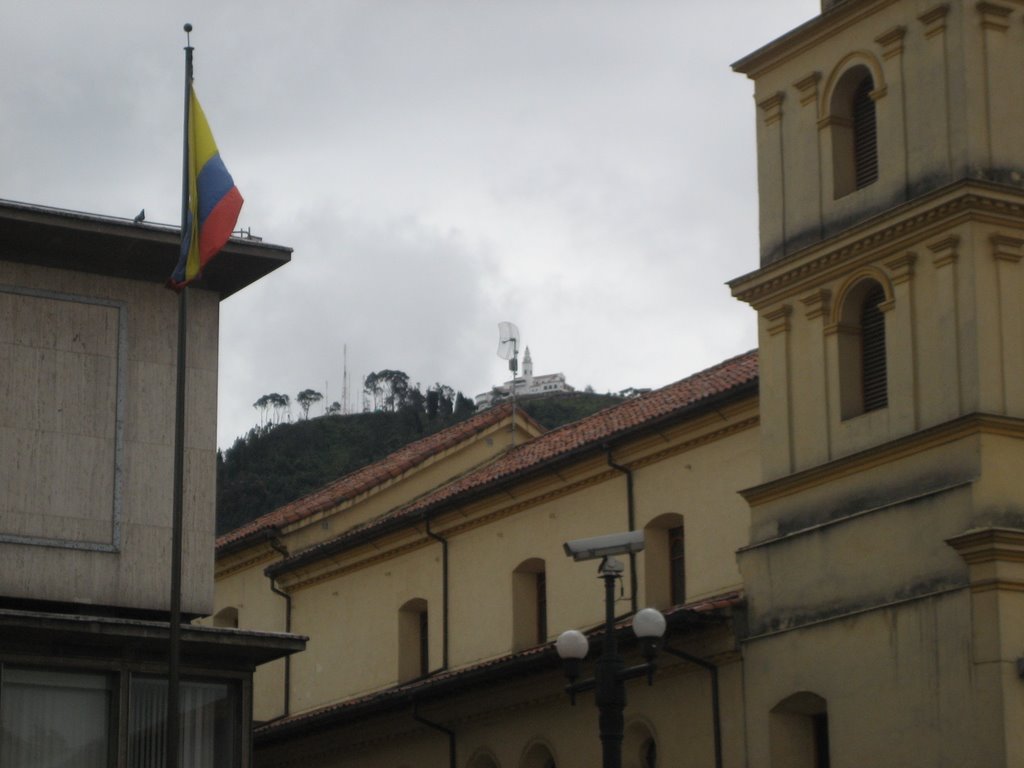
column 114, row 247
column 84, row 636
column 807, row 35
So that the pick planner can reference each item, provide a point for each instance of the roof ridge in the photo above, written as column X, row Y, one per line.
column 558, row 444
column 407, row 457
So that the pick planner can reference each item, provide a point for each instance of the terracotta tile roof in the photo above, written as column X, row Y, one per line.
column 449, row 681
column 562, row 443
column 370, row 476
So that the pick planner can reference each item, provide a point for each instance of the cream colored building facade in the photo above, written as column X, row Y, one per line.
column 847, row 500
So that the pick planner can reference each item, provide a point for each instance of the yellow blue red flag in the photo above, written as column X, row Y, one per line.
column 213, row 201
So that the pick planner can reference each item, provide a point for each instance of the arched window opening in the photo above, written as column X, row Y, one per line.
column 863, row 371
column 226, row 617
column 413, row 640
column 639, row 748
column 483, row 760
column 529, row 604
column 665, row 561
column 538, row 756
column 799, row 732
column 649, row 756
column 854, row 131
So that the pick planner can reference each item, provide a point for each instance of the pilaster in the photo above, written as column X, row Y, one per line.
column 901, row 346
column 943, row 373
column 776, row 392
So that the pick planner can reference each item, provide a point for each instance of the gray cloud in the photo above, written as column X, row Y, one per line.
column 585, row 169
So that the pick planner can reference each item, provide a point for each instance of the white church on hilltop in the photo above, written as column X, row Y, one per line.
column 527, row 384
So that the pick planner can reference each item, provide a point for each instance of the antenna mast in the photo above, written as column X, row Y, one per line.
column 508, row 349
column 344, row 379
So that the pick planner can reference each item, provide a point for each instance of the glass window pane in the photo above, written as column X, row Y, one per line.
column 53, row 719
column 210, row 720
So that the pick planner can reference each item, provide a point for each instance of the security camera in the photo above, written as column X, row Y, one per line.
column 605, row 546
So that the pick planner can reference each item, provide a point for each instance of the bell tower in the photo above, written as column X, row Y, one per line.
column 884, row 574
column 891, row 182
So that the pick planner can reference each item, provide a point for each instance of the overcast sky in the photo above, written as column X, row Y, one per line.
column 583, row 168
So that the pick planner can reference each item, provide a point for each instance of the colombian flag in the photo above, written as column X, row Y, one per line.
column 213, row 201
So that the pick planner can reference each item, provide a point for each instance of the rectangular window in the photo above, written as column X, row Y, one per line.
column 50, row 718
column 208, row 727
column 56, row 718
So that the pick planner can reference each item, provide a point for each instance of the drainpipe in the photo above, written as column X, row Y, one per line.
column 444, row 593
column 715, row 706
column 631, row 517
column 437, row 727
column 279, row 547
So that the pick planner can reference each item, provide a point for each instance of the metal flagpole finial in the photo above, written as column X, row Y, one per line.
column 188, row 40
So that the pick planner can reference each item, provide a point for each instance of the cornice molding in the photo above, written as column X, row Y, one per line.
column 945, row 250
column 818, row 304
column 901, row 268
column 778, row 320
column 223, row 571
column 892, row 42
column 994, row 16
column 934, row 20
column 1006, row 247
column 990, row 545
column 911, row 445
column 807, row 36
column 796, row 273
column 808, row 88
column 734, row 428
column 772, row 107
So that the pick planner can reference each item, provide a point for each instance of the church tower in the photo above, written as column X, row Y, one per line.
column 887, row 537
column 528, row 367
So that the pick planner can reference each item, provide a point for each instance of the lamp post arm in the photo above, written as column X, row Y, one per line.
column 638, row 670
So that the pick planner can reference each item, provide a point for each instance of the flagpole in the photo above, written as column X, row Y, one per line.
column 174, row 640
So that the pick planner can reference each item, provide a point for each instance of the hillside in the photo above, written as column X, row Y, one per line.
column 275, row 464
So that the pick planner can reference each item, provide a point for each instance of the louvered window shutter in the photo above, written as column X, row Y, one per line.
column 865, row 146
column 872, row 327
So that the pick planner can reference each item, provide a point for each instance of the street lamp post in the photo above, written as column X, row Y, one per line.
column 610, row 670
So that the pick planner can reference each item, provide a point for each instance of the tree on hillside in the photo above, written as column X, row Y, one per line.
column 463, row 406
column 263, row 406
column 416, row 401
column 281, row 405
column 389, row 389
column 278, row 402
column 445, row 396
column 372, row 391
column 306, row 398
column 333, row 408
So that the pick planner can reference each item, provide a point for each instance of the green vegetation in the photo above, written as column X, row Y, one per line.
column 278, row 461
column 564, row 407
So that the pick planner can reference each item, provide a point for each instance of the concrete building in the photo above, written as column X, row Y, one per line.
column 833, row 523
column 87, row 370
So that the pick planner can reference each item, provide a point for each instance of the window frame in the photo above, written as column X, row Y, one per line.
column 863, row 373
column 120, row 676
column 853, row 133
